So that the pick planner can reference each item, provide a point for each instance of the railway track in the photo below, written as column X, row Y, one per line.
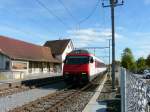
column 73, row 99
column 25, row 87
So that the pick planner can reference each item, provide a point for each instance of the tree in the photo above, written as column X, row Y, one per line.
column 127, row 60
column 148, row 61
column 141, row 64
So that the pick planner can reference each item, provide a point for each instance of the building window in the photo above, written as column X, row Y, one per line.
column 19, row 65
column 35, row 65
column 48, row 67
column 7, row 66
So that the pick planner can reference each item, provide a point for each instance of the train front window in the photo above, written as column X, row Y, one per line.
column 77, row 60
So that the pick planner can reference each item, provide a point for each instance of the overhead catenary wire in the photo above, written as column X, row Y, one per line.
column 83, row 20
column 67, row 10
column 25, row 31
column 91, row 13
column 51, row 12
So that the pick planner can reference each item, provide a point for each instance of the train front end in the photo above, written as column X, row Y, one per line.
column 76, row 68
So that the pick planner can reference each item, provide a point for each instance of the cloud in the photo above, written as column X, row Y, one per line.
column 120, row 28
column 142, row 53
column 147, row 2
column 138, row 42
column 143, row 49
column 91, row 36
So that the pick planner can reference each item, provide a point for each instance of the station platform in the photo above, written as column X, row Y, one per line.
column 29, row 80
column 93, row 105
column 104, row 99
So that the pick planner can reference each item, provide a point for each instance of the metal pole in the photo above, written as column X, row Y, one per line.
column 113, row 3
column 109, row 57
column 113, row 43
column 123, row 90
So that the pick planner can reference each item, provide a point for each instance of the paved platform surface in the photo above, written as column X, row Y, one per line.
column 32, row 76
column 93, row 105
column 103, row 97
column 5, row 84
column 19, row 99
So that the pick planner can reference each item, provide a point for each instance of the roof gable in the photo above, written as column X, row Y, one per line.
column 57, row 46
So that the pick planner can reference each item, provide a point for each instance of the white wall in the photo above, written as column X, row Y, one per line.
column 68, row 49
column 38, row 69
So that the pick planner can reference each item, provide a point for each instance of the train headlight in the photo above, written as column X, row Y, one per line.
column 83, row 73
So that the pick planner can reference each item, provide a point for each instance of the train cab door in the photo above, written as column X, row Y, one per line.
column 92, row 68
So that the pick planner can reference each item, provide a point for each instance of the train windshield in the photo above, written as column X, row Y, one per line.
column 77, row 60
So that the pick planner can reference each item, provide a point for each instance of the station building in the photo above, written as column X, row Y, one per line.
column 21, row 57
column 60, row 48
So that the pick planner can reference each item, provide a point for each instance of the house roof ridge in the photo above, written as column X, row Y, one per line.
column 18, row 49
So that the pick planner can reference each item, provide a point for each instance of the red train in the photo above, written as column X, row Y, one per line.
column 80, row 66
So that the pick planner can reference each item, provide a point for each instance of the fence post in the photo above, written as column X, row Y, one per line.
column 123, row 90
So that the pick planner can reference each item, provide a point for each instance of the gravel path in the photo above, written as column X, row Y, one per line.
column 19, row 99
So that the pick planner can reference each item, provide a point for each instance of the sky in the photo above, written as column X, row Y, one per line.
column 86, row 22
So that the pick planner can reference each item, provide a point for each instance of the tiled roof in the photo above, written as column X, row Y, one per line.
column 17, row 49
column 57, row 46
